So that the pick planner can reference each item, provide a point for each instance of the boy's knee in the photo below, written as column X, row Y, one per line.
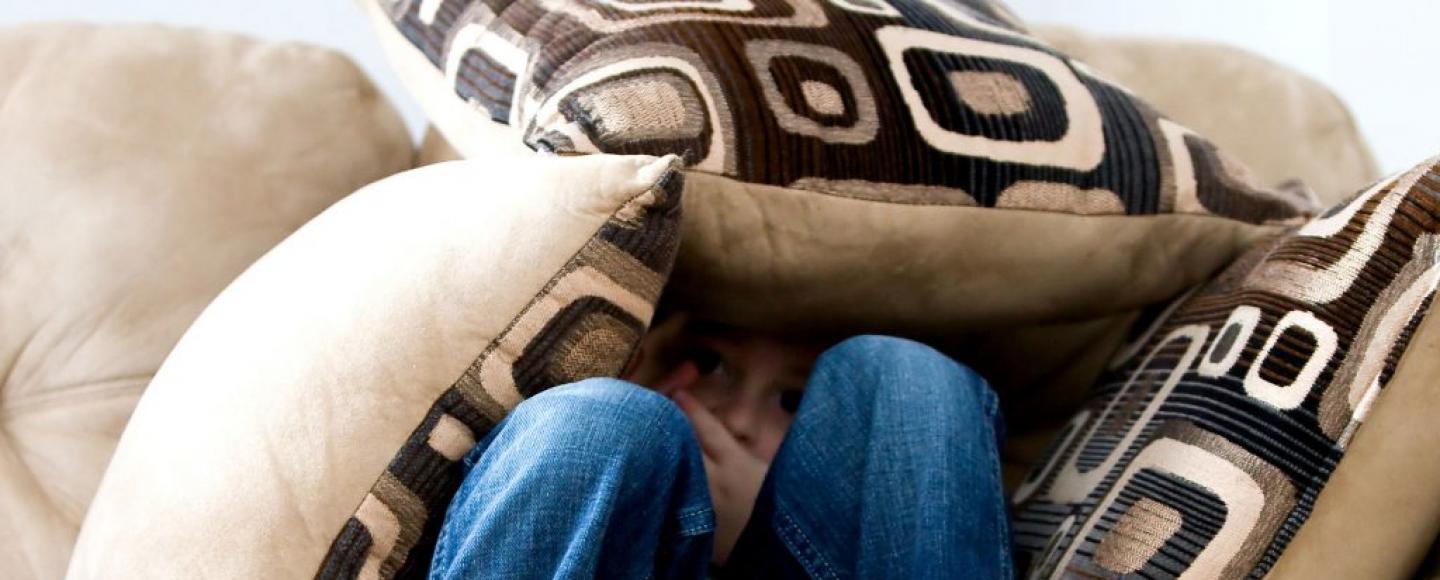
column 879, row 348
column 602, row 411
column 897, row 371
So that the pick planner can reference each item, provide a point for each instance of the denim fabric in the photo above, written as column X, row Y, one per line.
column 596, row 479
column 890, row 470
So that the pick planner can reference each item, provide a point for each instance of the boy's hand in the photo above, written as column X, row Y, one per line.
column 735, row 474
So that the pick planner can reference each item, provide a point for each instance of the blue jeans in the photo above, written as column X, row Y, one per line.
column 890, row 470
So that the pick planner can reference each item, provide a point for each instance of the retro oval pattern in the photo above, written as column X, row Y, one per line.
column 1203, row 450
column 950, row 97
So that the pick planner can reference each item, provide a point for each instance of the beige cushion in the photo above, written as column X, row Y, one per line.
column 1380, row 512
column 143, row 168
column 826, row 275
column 321, row 402
column 1282, row 124
column 1204, row 449
column 823, row 174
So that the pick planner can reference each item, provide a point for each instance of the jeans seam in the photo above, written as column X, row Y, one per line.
column 1002, row 531
column 690, row 529
column 801, row 547
column 992, row 412
column 692, row 511
column 1003, row 540
column 694, row 530
column 440, row 548
column 687, row 530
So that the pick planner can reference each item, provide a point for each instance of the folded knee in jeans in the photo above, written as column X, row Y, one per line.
column 894, row 436
column 602, row 413
column 896, row 371
column 597, row 467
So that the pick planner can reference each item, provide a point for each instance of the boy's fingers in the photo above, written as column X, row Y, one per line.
column 710, row 470
column 715, row 439
column 678, row 378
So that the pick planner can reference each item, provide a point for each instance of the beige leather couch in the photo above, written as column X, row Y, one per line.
column 144, row 167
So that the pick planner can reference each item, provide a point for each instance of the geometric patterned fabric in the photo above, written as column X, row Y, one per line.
column 938, row 102
column 567, row 333
column 1205, row 447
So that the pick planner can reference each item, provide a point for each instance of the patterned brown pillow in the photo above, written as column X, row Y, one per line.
column 819, row 126
column 1205, row 449
column 311, row 420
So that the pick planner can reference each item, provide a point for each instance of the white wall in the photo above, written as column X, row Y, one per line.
column 336, row 23
column 1377, row 54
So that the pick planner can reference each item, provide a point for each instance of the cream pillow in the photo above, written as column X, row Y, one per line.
column 311, row 420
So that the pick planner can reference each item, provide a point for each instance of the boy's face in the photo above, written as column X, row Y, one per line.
column 751, row 382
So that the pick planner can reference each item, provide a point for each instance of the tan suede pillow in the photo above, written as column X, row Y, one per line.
column 930, row 152
column 1282, row 124
column 141, row 169
column 311, row 421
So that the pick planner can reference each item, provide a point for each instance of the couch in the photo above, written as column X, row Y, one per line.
column 152, row 165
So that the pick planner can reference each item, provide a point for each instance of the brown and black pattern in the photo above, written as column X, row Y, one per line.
column 585, row 323
column 829, row 96
column 1206, row 446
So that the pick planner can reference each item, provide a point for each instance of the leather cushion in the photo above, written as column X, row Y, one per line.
column 143, row 168
column 1282, row 124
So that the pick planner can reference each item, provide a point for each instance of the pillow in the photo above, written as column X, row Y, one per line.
column 143, row 167
column 311, row 420
column 1290, row 402
column 926, row 150
column 1283, row 124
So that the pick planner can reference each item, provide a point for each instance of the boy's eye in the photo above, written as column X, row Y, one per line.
column 706, row 361
column 790, row 401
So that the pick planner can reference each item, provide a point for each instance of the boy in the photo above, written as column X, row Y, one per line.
column 745, row 455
